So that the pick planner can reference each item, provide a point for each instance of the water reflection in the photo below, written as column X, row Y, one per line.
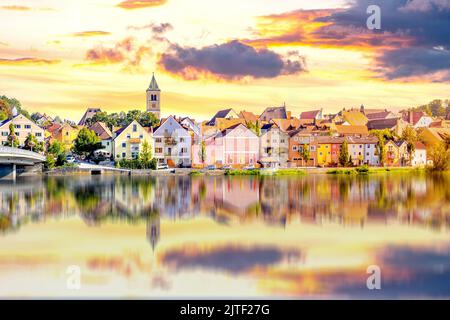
column 303, row 236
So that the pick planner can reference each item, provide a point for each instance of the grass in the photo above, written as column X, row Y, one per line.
column 367, row 170
column 289, row 172
column 253, row 172
column 195, row 173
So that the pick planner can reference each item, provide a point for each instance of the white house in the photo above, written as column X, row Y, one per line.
column 172, row 143
column 273, row 146
column 363, row 150
column 420, row 155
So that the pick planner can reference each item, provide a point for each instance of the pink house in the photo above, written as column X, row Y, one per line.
column 236, row 145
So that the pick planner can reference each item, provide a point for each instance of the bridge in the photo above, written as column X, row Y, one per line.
column 12, row 159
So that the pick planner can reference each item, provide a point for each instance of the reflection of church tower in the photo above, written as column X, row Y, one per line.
column 154, row 98
column 153, row 230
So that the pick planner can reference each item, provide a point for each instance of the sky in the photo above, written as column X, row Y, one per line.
column 60, row 57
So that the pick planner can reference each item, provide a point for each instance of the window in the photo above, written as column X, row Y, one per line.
column 181, row 139
column 134, row 128
column 17, row 126
column 321, row 153
column 368, row 154
column 294, row 148
column 326, row 147
column 123, row 155
column 141, row 136
column 38, row 134
column 158, row 140
column 313, row 148
column 128, row 136
column 28, row 126
column 124, row 144
column 4, row 133
column 282, row 140
column 360, row 146
column 107, row 143
column 183, row 150
column 158, row 150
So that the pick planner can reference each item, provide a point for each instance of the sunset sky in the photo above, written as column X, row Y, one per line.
column 61, row 57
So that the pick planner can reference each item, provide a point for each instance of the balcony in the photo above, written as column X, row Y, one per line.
column 170, row 142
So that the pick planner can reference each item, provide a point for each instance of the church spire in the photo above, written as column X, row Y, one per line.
column 153, row 84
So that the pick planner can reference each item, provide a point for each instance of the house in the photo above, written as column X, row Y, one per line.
column 223, row 114
column 106, row 136
column 287, row 124
column 66, row 134
column 328, row 150
column 22, row 127
column 299, row 139
column 354, row 118
column 173, row 143
column 433, row 136
column 248, row 116
column 395, row 125
column 273, row 146
column 420, row 155
column 50, row 131
column 274, row 113
column 417, row 119
column 192, row 125
column 42, row 120
column 237, row 146
column 396, row 153
column 349, row 131
column 128, row 141
column 381, row 115
column 363, row 150
column 89, row 114
column 312, row 115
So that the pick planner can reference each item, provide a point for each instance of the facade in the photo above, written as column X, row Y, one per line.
column 396, row 153
column 299, row 139
column 66, row 134
column 363, row 150
column 420, row 155
column 22, row 127
column 153, row 100
column 102, row 131
column 417, row 119
column 173, row 143
column 273, row 146
column 128, row 141
column 236, row 146
column 328, row 150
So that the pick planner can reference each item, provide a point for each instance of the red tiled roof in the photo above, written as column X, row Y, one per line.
column 310, row 115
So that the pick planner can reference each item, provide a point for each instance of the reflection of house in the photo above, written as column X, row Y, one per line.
column 22, row 128
column 128, row 141
column 153, row 231
column 274, row 146
column 172, row 143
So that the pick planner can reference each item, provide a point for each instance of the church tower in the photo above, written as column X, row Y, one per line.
column 154, row 98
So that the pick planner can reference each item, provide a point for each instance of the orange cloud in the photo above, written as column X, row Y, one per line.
column 307, row 27
column 28, row 61
column 16, row 8
column 90, row 34
column 140, row 4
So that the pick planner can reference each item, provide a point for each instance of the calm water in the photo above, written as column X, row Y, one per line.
column 296, row 237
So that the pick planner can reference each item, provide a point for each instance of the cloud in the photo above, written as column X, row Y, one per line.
column 232, row 259
column 16, row 8
column 125, row 51
column 28, row 61
column 140, row 4
column 90, row 34
column 154, row 27
column 419, row 26
column 230, row 61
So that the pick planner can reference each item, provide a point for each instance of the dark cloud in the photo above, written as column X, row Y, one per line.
column 232, row 60
column 233, row 259
column 423, row 23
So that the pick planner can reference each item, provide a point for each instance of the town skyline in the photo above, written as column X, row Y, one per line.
column 102, row 53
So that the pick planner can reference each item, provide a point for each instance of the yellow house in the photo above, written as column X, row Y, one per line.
column 323, row 153
column 396, row 153
column 66, row 134
column 128, row 141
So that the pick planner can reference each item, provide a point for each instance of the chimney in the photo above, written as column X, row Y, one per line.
column 411, row 117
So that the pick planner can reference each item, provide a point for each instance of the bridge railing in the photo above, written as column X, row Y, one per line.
column 21, row 152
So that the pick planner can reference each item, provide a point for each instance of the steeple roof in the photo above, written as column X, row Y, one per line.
column 153, row 84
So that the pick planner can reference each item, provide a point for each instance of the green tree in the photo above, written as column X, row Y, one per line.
column 344, row 155
column 12, row 141
column 55, row 148
column 409, row 135
column 305, row 154
column 30, row 142
column 148, row 119
column 49, row 161
column 86, row 142
column 440, row 156
column 382, row 136
column 145, row 156
column 202, row 152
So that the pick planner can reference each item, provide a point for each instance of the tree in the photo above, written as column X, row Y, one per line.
column 5, row 110
column 148, row 119
column 12, row 141
column 56, row 148
column 145, row 156
column 344, row 155
column 30, row 142
column 382, row 136
column 440, row 156
column 409, row 135
column 86, row 142
column 255, row 127
column 202, row 152
column 49, row 161
column 305, row 154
